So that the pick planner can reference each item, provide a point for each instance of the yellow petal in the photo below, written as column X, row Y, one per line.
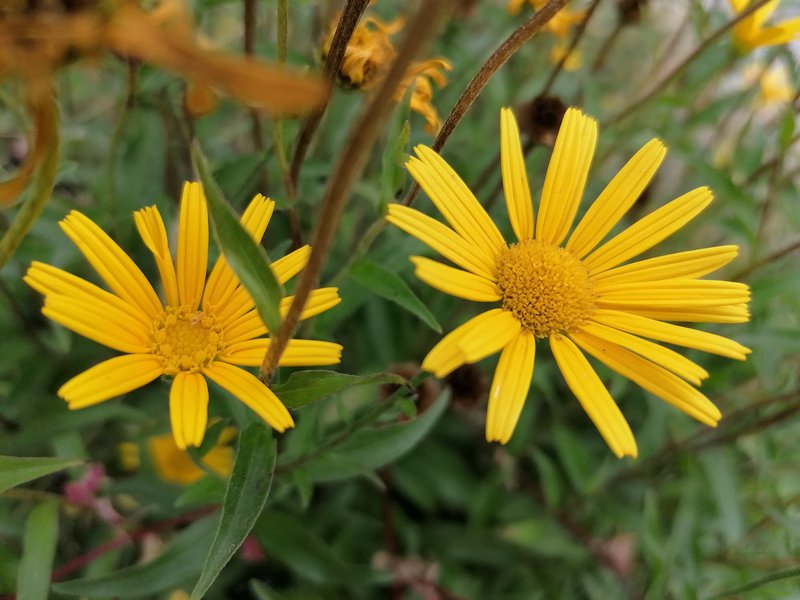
column 102, row 322
column 111, row 263
column 455, row 282
column 512, row 380
column 154, row 235
column 299, row 353
column 192, row 245
column 188, row 409
column 760, row 15
column 515, row 178
column 736, row 313
column 651, row 377
column 251, row 392
column 476, row 339
column 319, row 300
column 669, row 359
column 52, row 281
column 617, row 197
column 455, row 201
column 110, row 378
column 692, row 263
column 290, row 265
column 671, row 334
column 594, row 397
column 649, row 231
column 566, row 176
column 223, row 281
column 442, row 239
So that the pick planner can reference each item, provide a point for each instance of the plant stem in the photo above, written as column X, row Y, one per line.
column 333, row 62
column 665, row 81
column 349, row 168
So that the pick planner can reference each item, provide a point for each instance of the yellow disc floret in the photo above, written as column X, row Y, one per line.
column 186, row 340
column 546, row 287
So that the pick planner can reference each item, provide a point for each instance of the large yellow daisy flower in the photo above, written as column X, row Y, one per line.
column 203, row 330
column 578, row 295
column 751, row 32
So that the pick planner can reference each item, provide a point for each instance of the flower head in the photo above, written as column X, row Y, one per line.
column 750, row 32
column 368, row 56
column 205, row 328
column 774, row 83
column 174, row 465
column 573, row 290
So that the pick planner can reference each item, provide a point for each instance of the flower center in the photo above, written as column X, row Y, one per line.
column 186, row 340
column 544, row 286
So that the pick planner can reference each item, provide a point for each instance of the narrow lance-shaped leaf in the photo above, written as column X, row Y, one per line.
column 245, row 497
column 388, row 285
column 15, row 470
column 38, row 550
column 305, row 387
column 178, row 561
column 247, row 259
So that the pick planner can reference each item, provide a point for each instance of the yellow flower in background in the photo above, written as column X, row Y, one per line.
column 174, row 465
column 573, row 61
column 562, row 22
column 370, row 53
column 206, row 328
column 573, row 291
column 774, row 83
column 751, row 32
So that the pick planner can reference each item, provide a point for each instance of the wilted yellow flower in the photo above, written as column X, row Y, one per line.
column 562, row 22
column 751, row 32
column 573, row 291
column 369, row 55
column 206, row 328
column 419, row 78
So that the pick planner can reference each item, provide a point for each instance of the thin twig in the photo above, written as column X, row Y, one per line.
column 573, row 43
column 333, row 62
column 348, row 169
column 500, row 56
column 256, row 129
column 665, row 81
column 764, row 260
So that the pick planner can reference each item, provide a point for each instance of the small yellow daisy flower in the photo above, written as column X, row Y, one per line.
column 174, row 465
column 419, row 79
column 578, row 295
column 751, row 33
column 205, row 328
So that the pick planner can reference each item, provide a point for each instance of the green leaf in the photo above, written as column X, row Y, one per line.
column 15, row 469
column 208, row 490
column 369, row 449
column 786, row 127
column 247, row 259
column 245, row 497
column 304, row 387
column 38, row 550
column 287, row 539
column 392, row 168
column 262, row 592
column 388, row 285
column 180, row 560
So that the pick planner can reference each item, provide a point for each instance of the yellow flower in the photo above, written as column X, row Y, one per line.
column 419, row 78
column 370, row 53
column 774, row 83
column 562, row 22
column 174, row 465
column 751, row 33
column 578, row 295
column 573, row 61
column 203, row 330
